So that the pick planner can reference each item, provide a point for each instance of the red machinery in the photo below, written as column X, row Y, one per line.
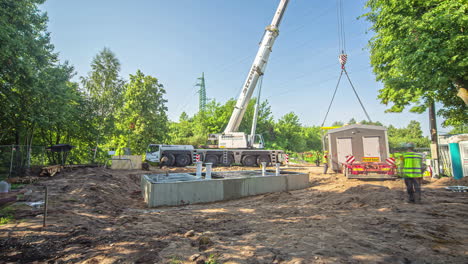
column 369, row 168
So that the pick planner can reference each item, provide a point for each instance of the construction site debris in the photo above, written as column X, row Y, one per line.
column 4, row 187
column 189, row 233
column 23, row 180
column 457, row 188
column 50, row 170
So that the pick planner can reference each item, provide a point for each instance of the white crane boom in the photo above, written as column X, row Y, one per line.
column 257, row 69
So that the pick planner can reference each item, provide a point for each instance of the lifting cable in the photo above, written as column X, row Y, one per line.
column 343, row 57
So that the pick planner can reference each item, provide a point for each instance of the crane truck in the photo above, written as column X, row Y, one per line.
column 232, row 146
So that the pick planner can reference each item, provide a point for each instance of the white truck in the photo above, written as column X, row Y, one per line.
column 183, row 155
column 233, row 146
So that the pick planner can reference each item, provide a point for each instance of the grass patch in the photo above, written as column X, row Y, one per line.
column 175, row 260
column 15, row 186
column 6, row 215
column 6, row 220
column 213, row 259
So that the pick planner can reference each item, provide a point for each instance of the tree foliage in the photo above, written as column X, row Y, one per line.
column 409, row 134
column 25, row 52
column 142, row 119
column 288, row 133
column 419, row 53
column 105, row 89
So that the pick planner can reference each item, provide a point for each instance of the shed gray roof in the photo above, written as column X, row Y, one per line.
column 343, row 128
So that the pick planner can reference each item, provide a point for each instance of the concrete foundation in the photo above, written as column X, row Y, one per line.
column 186, row 188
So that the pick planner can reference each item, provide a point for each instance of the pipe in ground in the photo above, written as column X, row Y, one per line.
column 208, row 171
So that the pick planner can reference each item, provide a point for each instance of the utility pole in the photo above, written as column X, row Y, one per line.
column 202, row 93
column 434, row 139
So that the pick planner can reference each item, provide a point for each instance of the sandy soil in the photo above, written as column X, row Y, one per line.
column 97, row 215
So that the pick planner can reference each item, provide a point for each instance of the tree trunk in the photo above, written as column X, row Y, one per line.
column 434, row 139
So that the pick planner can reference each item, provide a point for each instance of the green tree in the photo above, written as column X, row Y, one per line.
column 143, row 118
column 181, row 133
column 419, row 53
column 288, row 133
column 410, row 134
column 376, row 123
column 25, row 51
column 63, row 114
column 313, row 138
column 265, row 122
column 105, row 88
column 194, row 130
column 337, row 123
column 460, row 129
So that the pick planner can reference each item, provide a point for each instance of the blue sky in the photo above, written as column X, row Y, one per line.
column 177, row 40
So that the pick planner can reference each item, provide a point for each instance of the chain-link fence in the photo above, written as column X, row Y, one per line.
column 19, row 160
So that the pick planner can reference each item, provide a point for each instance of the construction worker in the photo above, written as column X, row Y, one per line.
column 412, row 168
column 325, row 162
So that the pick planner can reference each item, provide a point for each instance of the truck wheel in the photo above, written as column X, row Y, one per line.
column 211, row 159
column 263, row 158
column 170, row 159
column 230, row 160
column 182, row 160
column 249, row 160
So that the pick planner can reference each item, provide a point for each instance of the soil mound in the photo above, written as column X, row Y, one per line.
column 362, row 195
column 446, row 181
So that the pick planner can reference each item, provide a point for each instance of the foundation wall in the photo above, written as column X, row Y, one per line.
column 190, row 192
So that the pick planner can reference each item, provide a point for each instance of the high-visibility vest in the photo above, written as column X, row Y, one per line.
column 325, row 158
column 412, row 165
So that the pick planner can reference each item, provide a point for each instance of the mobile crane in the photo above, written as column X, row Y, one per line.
column 232, row 146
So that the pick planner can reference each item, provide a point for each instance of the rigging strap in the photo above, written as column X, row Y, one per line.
column 333, row 97
column 355, row 92
column 357, row 96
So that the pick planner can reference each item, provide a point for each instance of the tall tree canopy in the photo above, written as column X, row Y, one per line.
column 25, row 52
column 143, row 119
column 409, row 134
column 419, row 53
column 288, row 133
column 105, row 89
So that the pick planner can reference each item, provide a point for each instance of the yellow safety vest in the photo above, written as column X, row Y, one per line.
column 412, row 165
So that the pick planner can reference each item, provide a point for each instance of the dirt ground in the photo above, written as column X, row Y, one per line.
column 97, row 215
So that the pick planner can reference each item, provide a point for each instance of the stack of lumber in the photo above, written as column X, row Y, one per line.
column 50, row 171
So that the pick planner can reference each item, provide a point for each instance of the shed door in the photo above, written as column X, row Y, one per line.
column 464, row 157
column 371, row 146
column 344, row 147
